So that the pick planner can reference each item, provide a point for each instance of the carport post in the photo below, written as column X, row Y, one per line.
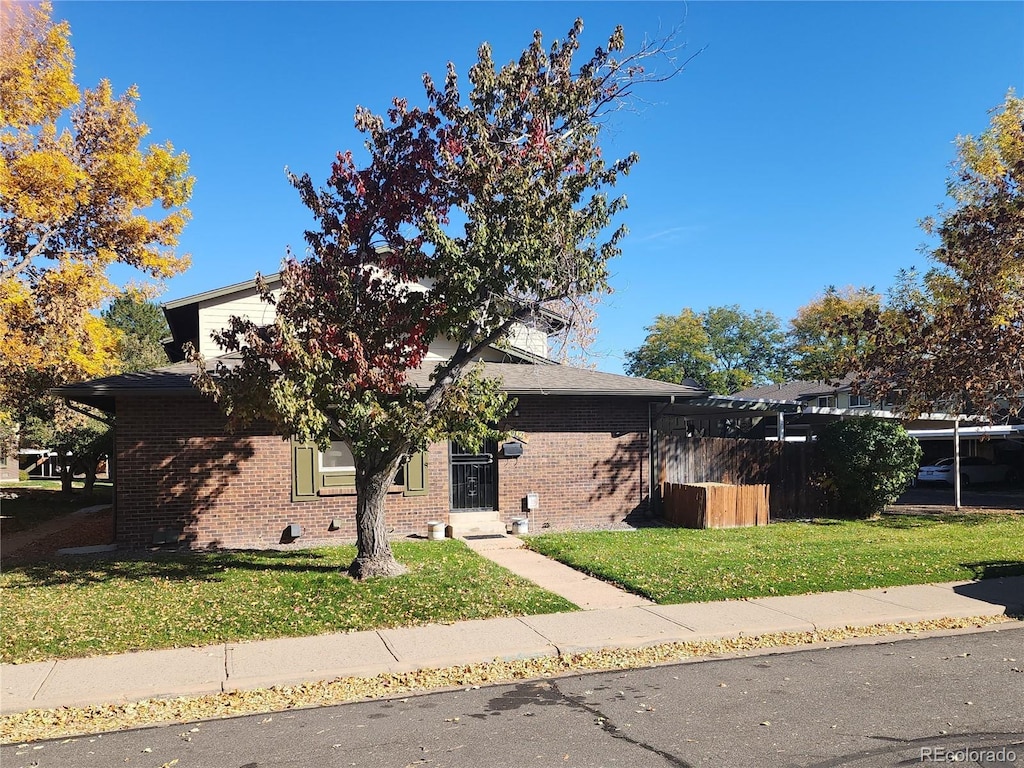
column 956, row 462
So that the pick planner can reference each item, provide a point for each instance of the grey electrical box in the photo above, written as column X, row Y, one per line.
column 512, row 450
column 293, row 531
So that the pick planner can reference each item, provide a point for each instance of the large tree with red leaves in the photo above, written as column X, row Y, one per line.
column 472, row 214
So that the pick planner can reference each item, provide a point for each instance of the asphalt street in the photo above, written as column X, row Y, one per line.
column 939, row 497
column 953, row 699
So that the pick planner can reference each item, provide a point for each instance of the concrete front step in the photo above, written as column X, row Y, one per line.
column 475, row 524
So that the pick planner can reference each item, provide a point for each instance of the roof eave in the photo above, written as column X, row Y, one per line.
column 567, row 392
column 216, row 293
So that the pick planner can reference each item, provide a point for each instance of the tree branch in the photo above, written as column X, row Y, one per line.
column 19, row 264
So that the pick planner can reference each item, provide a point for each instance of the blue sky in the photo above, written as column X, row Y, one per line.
column 798, row 150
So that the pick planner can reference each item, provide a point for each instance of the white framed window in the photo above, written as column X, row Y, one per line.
column 828, row 401
column 332, row 472
column 337, row 458
column 859, row 401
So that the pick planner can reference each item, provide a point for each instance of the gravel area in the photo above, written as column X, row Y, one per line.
column 79, row 530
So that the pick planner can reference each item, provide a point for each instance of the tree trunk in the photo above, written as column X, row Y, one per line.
column 90, row 464
column 67, row 474
column 374, row 557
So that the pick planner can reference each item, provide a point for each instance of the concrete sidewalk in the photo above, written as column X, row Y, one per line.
column 236, row 666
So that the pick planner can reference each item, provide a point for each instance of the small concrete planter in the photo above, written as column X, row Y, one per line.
column 520, row 525
column 435, row 530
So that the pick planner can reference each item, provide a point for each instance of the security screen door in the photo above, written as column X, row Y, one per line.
column 474, row 477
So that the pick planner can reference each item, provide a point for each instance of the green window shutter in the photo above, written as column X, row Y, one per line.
column 416, row 475
column 338, row 479
column 305, row 472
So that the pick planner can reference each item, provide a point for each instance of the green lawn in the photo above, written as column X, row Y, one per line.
column 675, row 565
column 75, row 608
column 40, row 500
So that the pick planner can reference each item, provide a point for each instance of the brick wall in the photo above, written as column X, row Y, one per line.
column 586, row 458
column 179, row 471
column 8, row 466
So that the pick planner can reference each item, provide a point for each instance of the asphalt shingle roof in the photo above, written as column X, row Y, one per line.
column 517, row 379
column 792, row 390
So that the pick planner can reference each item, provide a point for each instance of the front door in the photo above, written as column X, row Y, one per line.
column 474, row 477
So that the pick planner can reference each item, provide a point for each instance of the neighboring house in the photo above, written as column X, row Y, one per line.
column 580, row 450
column 39, row 463
column 815, row 400
column 818, row 394
column 813, row 403
column 8, row 466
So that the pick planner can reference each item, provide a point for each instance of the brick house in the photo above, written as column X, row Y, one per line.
column 9, row 460
column 580, row 450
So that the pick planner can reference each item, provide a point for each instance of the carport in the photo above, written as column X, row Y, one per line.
column 784, row 422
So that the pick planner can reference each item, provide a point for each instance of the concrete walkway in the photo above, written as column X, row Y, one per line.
column 576, row 587
column 238, row 666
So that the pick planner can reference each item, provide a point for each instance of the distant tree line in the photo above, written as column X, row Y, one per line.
column 948, row 338
column 728, row 349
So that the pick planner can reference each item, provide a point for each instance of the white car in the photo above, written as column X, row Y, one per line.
column 973, row 469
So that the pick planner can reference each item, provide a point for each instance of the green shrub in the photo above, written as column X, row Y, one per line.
column 865, row 463
column 23, row 475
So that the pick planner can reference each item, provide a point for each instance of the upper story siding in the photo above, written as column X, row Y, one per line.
column 215, row 309
column 215, row 315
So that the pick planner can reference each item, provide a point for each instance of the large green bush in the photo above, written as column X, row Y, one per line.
column 866, row 463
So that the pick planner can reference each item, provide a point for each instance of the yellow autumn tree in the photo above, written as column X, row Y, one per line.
column 78, row 193
column 822, row 349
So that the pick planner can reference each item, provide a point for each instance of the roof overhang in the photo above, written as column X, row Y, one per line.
column 725, row 406
column 990, row 431
column 103, row 398
column 518, row 379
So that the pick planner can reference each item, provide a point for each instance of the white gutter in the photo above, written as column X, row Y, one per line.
column 997, row 430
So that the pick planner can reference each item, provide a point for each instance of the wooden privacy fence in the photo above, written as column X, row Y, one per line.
column 784, row 467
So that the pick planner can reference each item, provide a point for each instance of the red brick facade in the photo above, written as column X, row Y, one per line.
column 179, row 471
column 586, row 457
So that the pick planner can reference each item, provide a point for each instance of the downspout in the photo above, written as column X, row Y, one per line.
column 650, row 460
